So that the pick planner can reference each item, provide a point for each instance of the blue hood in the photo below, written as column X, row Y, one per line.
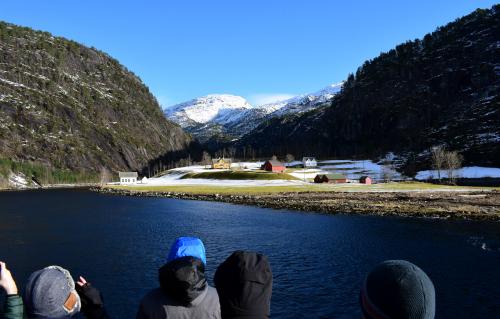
column 187, row 246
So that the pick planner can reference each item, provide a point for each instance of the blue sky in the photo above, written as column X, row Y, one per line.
column 259, row 49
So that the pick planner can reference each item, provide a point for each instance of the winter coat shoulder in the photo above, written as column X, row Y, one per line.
column 156, row 305
column 13, row 308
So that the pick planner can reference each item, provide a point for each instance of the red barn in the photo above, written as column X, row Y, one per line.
column 273, row 166
column 330, row 178
column 365, row 180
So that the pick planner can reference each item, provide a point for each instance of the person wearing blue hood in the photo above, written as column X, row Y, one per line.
column 184, row 292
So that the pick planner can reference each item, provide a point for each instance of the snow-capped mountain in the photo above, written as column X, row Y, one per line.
column 305, row 102
column 214, row 108
column 231, row 116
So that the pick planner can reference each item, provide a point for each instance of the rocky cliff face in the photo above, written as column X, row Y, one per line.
column 70, row 106
column 441, row 90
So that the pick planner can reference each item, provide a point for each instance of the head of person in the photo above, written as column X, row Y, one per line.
column 182, row 278
column 244, row 283
column 50, row 293
column 397, row 289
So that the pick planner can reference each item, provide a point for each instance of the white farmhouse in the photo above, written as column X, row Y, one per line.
column 128, row 177
column 309, row 162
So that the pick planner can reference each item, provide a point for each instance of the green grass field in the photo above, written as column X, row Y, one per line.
column 241, row 190
column 240, row 175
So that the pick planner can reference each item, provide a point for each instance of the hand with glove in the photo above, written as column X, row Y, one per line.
column 92, row 302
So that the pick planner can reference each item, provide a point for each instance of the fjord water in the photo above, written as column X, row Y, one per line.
column 318, row 261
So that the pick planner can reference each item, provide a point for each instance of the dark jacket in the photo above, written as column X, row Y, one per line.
column 244, row 284
column 92, row 302
column 183, row 293
column 13, row 308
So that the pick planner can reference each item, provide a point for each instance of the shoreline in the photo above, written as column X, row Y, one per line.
column 458, row 205
column 50, row 186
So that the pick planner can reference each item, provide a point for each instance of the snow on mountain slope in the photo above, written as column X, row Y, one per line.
column 305, row 102
column 233, row 116
column 216, row 108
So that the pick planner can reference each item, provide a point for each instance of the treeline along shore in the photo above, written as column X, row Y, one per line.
column 471, row 205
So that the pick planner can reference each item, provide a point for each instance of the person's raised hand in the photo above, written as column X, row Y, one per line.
column 81, row 281
column 6, row 280
column 89, row 295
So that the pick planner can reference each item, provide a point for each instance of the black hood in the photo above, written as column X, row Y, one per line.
column 183, row 279
column 244, row 284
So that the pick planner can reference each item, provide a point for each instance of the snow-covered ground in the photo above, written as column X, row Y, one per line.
column 160, row 181
column 251, row 166
column 19, row 180
column 293, row 163
column 174, row 177
column 308, row 173
column 464, row 172
column 355, row 169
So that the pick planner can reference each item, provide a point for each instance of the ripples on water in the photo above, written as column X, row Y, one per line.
column 318, row 261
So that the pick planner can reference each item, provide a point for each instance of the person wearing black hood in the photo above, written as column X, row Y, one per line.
column 184, row 292
column 244, row 283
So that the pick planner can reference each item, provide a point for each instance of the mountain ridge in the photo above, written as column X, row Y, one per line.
column 228, row 117
column 69, row 106
column 443, row 89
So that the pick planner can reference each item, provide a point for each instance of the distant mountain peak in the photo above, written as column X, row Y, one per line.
column 212, row 107
column 232, row 115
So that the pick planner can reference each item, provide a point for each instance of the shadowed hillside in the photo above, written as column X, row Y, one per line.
column 69, row 106
column 442, row 89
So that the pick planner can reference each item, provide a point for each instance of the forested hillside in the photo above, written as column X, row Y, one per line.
column 68, row 106
column 443, row 89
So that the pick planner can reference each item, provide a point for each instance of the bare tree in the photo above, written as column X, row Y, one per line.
column 453, row 162
column 206, row 158
column 231, row 151
column 388, row 169
column 105, row 176
column 439, row 155
column 289, row 158
column 386, row 173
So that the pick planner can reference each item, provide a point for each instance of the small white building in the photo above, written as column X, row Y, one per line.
column 128, row 177
column 309, row 162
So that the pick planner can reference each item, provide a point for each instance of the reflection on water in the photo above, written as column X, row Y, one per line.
column 318, row 261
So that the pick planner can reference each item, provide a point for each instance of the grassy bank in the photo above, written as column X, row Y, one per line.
column 394, row 199
column 240, row 175
column 44, row 174
column 241, row 190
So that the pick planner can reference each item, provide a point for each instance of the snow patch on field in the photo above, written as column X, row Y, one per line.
column 464, row 172
column 294, row 163
column 19, row 180
column 174, row 177
column 308, row 173
column 354, row 169
column 218, row 182
column 251, row 166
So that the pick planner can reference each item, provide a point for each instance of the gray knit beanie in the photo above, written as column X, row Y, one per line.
column 398, row 289
column 50, row 293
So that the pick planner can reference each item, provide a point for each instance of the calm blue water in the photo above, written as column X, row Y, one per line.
column 318, row 261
